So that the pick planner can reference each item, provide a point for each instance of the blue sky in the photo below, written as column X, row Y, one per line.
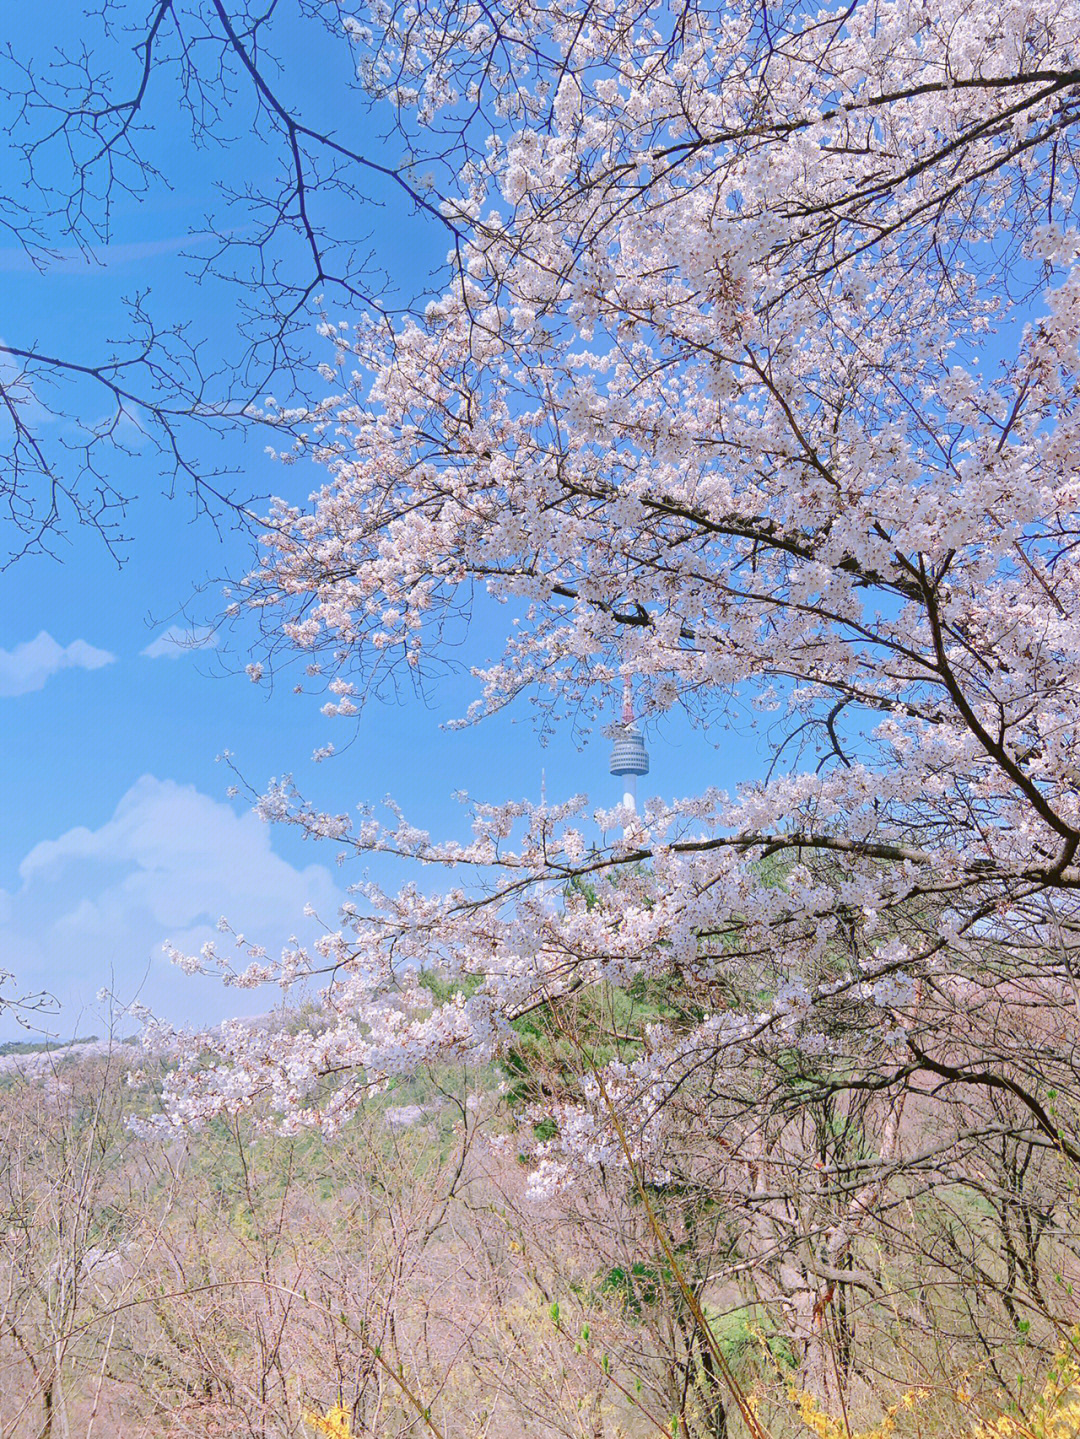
column 118, row 834
column 118, row 830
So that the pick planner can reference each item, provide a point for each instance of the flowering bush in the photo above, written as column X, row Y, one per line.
column 334, row 1423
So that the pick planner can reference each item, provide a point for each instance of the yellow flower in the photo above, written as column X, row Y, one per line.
column 825, row 1426
column 334, row 1423
column 1054, row 1414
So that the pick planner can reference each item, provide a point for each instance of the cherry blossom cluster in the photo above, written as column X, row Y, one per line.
column 755, row 381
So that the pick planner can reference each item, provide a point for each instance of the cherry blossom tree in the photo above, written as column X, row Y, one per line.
column 755, row 384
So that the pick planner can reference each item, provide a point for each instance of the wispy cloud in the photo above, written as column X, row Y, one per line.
column 174, row 641
column 93, row 260
column 30, row 665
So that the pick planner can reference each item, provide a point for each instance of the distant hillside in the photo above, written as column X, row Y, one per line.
column 28, row 1057
column 35, row 1046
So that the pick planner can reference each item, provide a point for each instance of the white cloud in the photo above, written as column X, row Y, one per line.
column 28, row 666
column 94, row 907
column 177, row 640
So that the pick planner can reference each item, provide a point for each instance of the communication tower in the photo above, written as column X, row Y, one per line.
column 629, row 757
